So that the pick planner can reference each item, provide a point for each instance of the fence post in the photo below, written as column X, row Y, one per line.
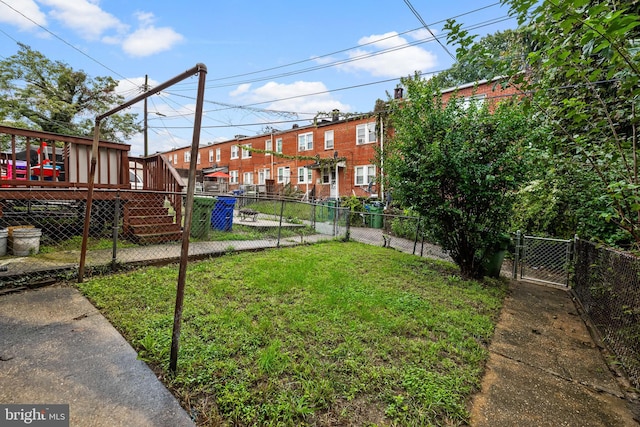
column 422, row 241
column 335, row 217
column 516, row 258
column 415, row 241
column 348, row 222
column 116, row 223
column 280, row 224
column 571, row 250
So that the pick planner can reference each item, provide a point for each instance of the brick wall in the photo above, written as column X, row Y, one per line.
column 344, row 135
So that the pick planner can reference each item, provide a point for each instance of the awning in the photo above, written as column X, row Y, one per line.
column 217, row 174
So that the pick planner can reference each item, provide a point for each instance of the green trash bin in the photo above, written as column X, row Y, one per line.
column 321, row 212
column 201, row 219
column 377, row 219
column 331, row 208
column 494, row 262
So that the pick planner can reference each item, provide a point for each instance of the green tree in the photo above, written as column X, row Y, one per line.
column 586, row 80
column 458, row 167
column 50, row 96
column 493, row 55
column 583, row 74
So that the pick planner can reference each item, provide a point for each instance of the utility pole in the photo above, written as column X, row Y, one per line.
column 146, row 135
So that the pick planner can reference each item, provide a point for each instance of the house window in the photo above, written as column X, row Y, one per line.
column 247, row 178
column 210, row 156
column 217, row 155
column 234, row 151
column 304, row 175
column 366, row 133
column 263, row 176
column 175, row 158
column 198, row 159
column 268, row 146
column 246, row 152
column 170, row 159
column 233, row 177
column 279, row 145
column 476, row 100
column 187, row 156
column 328, row 140
column 284, row 174
column 305, row 141
column 328, row 176
column 365, row 174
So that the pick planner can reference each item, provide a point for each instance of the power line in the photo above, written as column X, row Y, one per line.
column 315, row 58
column 230, row 106
column 424, row 24
column 345, row 61
column 7, row 34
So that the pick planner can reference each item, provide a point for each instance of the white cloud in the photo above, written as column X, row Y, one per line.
column 242, row 89
column 91, row 22
column 28, row 8
column 84, row 17
column 288, row 97
column 401, row 59
column 145, row 18
column 422, row 33
column 148, row 39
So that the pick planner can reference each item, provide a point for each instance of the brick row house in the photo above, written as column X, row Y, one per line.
column 302, row 158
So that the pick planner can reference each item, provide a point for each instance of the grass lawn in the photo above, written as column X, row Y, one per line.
column 328, row 334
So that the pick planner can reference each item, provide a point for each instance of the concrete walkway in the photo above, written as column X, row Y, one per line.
column 544, row 368
column 56, row 348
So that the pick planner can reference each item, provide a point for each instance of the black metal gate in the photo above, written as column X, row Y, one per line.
column 542, row 259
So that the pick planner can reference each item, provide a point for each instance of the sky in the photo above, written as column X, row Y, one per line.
column 269, row 63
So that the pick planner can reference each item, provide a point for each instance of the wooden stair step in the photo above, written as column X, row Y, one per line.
column 154, row 229
column 158, row 237
column 145, row 211
column 151, row 219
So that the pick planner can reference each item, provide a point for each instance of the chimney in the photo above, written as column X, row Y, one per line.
column 335, row 115
column 397, row 93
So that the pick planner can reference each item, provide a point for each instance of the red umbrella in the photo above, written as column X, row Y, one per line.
column 217, row 174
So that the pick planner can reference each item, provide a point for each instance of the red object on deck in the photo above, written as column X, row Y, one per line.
column 47, row 171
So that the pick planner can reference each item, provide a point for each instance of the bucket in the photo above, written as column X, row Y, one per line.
column 3, row 241
column 25, row 241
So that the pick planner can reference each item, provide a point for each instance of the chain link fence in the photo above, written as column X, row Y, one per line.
column 41, row 237
column 44, row 229
column 41, row 230
column 607, row 285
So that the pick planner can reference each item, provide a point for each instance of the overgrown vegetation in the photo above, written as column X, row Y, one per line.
column 458, row 165
column 328, row 334
column 582, row 72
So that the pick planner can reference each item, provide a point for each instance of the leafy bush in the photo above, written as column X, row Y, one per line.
column 458, row 165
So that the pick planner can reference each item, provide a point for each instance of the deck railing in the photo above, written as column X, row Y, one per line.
column 159, row 175
column 32, row 158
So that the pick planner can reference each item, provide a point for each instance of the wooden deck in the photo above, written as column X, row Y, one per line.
column 43, row 169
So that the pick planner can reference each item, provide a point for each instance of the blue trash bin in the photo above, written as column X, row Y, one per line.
column 222, row 215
